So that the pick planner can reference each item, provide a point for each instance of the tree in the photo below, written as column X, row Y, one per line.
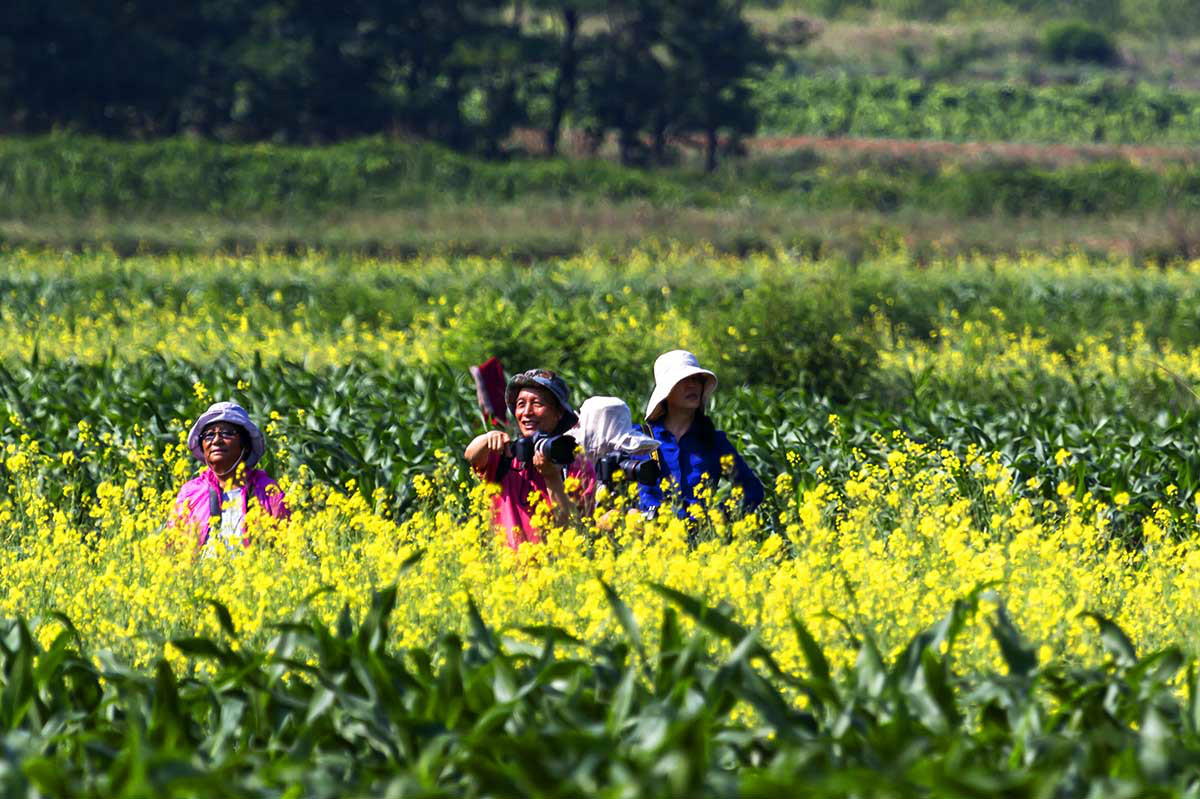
column 116, row 68
column 461, row 72
column 713, row 50
column 562, row 52
column 625, row 78
column 308, row 72
column 667, row 67
column 454, row 69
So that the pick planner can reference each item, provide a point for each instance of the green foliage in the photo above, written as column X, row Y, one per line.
column 331, row 712
column 1094, row 111
column 249, row 70
column 791, row 347
column 701, row 708
column 1093, row 189
column 1075, row 40
column 380, row 427
column 1159, row 17
column 673, row 69
column 83, row 176
column 463, row 73
column 916, row 9
column 80, row 177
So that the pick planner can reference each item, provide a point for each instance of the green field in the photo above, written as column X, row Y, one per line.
column 1077, row 374
column 951, row 290
column 402, row 199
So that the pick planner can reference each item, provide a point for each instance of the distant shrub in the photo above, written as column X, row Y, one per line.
column 1074, row 40
column 916, row 9
column 835, row 9
column 797, row 31
column 75, row 175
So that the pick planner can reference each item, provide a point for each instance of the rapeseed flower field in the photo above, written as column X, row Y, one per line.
column 887, row 551
column 980, row 529
column 885, row 540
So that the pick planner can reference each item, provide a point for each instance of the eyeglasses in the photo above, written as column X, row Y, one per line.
column 212, row 435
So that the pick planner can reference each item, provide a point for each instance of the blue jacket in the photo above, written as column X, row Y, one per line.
column 688, row 459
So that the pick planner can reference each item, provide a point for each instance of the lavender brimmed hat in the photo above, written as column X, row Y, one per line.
column 232, row 413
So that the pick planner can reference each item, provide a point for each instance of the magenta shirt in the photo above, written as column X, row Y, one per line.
column 191, row 504
column 511, row 509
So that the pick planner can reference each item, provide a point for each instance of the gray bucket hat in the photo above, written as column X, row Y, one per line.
column 542, row 378
column 234, row 414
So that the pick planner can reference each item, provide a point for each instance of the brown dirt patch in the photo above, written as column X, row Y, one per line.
column 576, row 145
column 1000, row 150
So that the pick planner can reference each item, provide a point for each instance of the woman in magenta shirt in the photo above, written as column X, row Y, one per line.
column 216, row 501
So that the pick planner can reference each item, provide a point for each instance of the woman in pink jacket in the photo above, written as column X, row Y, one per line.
column 216, row 501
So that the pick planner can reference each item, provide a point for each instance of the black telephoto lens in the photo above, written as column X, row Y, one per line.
column 645, row 472
column 559, row 449
column 522, row 450
column 606, row 467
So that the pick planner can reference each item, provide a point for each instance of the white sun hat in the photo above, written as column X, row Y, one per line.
column 606, row 425
column 234, row 414
column 670, row 368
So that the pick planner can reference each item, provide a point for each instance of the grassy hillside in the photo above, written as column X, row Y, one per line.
column 401, row 197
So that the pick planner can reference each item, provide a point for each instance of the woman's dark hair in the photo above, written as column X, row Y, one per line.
column 704, row 427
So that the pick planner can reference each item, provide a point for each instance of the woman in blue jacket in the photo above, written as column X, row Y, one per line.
column 690, row 447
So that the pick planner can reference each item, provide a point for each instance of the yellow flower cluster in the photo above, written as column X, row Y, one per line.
column 984, row 352
column 199, row 326
column 450, row 315
column 888, row 552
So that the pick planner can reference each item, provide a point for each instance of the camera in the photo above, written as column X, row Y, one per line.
column 557, row 449
column 645, row 472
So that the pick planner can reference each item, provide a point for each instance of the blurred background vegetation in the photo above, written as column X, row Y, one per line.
column 469, row 73
column 883, row 151
column 541, row 127
column 462, row 72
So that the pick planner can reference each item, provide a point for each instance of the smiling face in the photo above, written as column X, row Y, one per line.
column 222, row 444
column 536, row 411
column 687, row 395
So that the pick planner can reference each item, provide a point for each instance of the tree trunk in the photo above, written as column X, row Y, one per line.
column 627, row 142
column 660, row 140
column 710, row 148
column 564, row 82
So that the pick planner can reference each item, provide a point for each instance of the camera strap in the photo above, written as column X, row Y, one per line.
column 646, row 429
column 504, row 466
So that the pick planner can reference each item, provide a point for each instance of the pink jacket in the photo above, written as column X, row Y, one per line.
column 192, row 503
column 512, row 511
